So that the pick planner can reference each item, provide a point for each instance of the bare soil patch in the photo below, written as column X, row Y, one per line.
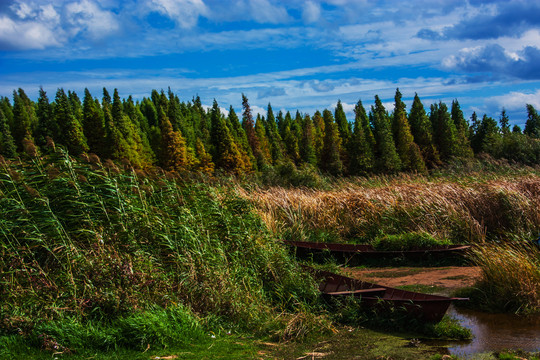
column 448, row 277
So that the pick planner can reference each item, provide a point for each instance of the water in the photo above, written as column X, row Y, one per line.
column 495, row 332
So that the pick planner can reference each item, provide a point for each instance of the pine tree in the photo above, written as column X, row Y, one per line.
column 387, row 159
column 71, row 132
column 24, row 119
column 422, row 133
column 46, row 127
column 94, row 125
column 462, row 129
column 532, row 125
column 264, row 144
column 272, row 133
column 290, row 139
column 174, row 155
column 204, row 161
column 488, row 137
column 444, row 132
column 360, row 148
column 504, row 122
column 307, row 148
column 318, row 135
column 408, row 151
column 344, row 129
column 225, row 152
column 249, row 127
column 330, row 157
column 7, row 144
column 241, row 140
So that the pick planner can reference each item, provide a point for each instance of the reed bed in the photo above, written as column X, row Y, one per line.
column 510, row 277
column 86, row 242
column 460, row 211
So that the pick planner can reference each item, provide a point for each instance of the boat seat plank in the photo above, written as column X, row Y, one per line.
column 361, row 291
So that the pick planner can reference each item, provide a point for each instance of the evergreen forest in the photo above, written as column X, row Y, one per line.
column 161, row 130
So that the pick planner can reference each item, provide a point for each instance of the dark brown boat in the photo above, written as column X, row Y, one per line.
column 352, row 253
column 423, row 307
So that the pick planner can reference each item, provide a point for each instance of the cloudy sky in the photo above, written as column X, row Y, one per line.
column 295, row 54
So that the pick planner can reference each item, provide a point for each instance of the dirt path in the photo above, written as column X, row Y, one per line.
column 446, row 278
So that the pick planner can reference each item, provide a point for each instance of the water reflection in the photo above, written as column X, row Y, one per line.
column 495, row 332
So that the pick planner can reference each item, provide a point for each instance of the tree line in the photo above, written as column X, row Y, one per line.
column 161, row 130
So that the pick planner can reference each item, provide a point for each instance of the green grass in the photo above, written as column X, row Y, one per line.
column 407, row 241
column 87, row 247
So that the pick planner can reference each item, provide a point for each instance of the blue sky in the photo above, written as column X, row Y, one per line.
column 294, row 54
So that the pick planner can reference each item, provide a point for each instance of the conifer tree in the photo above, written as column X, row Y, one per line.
column 71, row 132
column 462, row 129
column 488, row 136
column 360, row 148
column 422, row 133
column 94, row 125
column 174, row 156
column 224, row 150
column 24, row 119
column 307, row 148
column 290, row 139
column 330, row 157
column 318, row 135
column 504, row 122
column 408, row 151
column 272, row 133
column 444, row 132
column 473, row 128
column 387, row 159
column 532, row 125
column 7, row 144
column 203, row 161
column 344, row 129
column 241, row 139
column 249, row 127
column 6, row 107
column 47, row 126
column 264, row 144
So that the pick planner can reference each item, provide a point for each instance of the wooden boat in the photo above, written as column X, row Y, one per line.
column 423, row 307
column 351, row 253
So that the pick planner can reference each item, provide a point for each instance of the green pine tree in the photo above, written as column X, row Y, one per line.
column 7, row 144
column 387, row 159
column 422, row 133
column 444, row 132
column 361, row 148
column 94, row 125
column 408, row 151
column 330, row 157
column 462, row 131
column 71, row 132
column 532, row 125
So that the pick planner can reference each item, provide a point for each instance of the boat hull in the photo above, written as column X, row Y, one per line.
column 423, row 307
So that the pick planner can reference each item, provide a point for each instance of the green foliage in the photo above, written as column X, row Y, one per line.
column 7, row 144
column 407, row 241
column 387, row 158
column 330, row 156
column 99, row 244
column 408, row 151
column 532, row 125
column 422, row 132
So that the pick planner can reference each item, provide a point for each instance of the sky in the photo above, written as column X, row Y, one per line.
column 294, row 54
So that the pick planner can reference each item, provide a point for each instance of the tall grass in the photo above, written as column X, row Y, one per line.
column 510, row 277
column 89, row 242
column 462, row 211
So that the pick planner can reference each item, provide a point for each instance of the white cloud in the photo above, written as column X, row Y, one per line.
column 311, row 12
column 185, row 12
column 515, row 100
column 87, row 17
column 263, row 11
column 26, row 35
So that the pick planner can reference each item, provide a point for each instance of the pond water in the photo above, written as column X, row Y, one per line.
column 495, row 332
